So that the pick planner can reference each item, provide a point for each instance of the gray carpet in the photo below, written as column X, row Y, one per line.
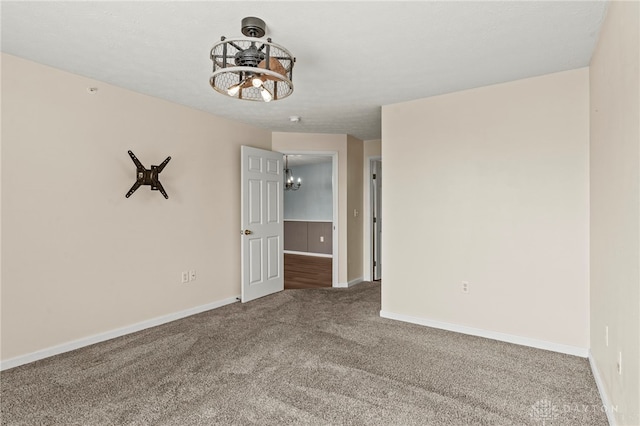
column 302, row 357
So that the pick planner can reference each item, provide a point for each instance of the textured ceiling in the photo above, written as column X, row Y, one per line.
column 352, row 57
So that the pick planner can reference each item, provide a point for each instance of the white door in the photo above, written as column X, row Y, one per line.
column 262, row 224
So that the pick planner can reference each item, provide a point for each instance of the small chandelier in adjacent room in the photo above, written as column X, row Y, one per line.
column 290, row 184
column 250, row 68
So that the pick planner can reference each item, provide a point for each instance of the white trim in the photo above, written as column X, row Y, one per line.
column 335, row 237
column 307, row 220
column 350, row 283
column 606, row 402
column 355, row 281
column 108, row 335
column 307, row 253
column 335, row 190
column 367, row 246
column 503, row 337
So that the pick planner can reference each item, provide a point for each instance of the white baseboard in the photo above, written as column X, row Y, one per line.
column 606, row 402
column 101, row 337
column 307, row 253
column 503, row 337
column 350, row 283
column 355, row 281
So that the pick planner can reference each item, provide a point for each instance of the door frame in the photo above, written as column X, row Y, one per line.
column 376, row 213
column 368, row 218
column 334, row 190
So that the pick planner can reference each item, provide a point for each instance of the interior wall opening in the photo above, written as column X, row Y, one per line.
column 309, row 222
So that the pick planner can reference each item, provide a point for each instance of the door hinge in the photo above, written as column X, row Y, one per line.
column 374, row 175
column 375, row 263
column 375, row 220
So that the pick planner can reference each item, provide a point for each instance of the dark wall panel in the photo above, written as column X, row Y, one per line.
column 312, row 237
column 316, row 232
column 295, row 236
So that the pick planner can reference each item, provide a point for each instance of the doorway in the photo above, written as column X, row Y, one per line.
column 310, row 221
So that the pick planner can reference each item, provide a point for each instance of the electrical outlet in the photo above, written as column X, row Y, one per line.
column 185, row 277
column 619, row 363
column 321, row 239
column 465, row 287
column 606, row 335
column 192, row 275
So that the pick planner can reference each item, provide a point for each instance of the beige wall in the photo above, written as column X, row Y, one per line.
column 490, row 186
column 615, row 209
column 78, row 258
column 372, row 149
column 355, row 150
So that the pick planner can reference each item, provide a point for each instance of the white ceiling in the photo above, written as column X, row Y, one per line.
column 352, row 57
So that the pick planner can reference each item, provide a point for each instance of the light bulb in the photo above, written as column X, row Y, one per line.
column 266, row 95
column 256, row 81
column 233, row 90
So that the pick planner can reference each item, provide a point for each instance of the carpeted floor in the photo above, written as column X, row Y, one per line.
column 302, row 357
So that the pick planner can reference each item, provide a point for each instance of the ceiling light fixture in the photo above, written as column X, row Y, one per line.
column 250, row 68
column 290, row 184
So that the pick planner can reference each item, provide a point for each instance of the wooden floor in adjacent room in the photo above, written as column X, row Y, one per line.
column 307, row 271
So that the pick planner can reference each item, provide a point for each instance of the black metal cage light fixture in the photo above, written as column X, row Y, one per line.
column 251, row 68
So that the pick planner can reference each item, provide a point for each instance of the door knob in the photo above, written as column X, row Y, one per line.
column 247, row 232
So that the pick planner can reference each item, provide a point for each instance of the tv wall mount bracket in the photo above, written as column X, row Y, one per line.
column 147, row 176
